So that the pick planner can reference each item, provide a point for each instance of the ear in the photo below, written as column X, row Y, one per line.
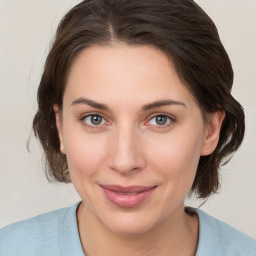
column 212, row 132
column 58, row 118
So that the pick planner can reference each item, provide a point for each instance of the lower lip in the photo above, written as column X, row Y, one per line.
column 125, row 200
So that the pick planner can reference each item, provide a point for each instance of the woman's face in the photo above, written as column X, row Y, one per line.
column 132, row 134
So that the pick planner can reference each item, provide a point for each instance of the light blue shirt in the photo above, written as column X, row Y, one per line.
column 56, row 234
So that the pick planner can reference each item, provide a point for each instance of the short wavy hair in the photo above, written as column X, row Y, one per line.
column 179, row 28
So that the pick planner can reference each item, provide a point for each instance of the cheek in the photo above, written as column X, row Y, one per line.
column 85, row 157
column 85, row 154
column 176, row 157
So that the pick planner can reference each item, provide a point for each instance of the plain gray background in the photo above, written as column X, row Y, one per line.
column 26, row 30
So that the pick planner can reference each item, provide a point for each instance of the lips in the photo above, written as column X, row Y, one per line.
column 127, row 197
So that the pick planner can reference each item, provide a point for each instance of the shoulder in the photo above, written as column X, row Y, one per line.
column 222, row 239
column 35, row 236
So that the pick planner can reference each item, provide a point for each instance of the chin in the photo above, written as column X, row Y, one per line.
column 129, row 224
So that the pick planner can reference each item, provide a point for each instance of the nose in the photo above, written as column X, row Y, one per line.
column 126, row 151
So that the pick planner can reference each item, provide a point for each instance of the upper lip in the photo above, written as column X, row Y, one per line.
column 128, row 189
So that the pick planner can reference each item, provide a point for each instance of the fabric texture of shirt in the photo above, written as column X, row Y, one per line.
column 56, row 234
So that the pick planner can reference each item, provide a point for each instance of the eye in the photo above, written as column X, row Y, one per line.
column 160, row 120
column 94, row 120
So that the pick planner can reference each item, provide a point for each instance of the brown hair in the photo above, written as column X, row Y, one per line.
column 182, row 30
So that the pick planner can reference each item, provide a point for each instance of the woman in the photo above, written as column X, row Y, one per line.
column 134, row 107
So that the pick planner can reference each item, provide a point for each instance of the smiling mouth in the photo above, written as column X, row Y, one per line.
column 127, row 197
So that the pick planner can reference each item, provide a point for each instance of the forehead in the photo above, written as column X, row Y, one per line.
column 124, row 73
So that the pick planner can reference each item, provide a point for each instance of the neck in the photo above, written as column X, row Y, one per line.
column 176, row 236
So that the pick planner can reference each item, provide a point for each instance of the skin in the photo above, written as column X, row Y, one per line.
column 129, row 147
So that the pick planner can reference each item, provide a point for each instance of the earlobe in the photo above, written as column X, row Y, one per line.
column 57, row 112
column 212, row 132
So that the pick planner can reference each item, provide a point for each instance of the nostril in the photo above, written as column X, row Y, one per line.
column 123, row 167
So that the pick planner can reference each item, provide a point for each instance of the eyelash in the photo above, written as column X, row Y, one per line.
column 171, row 120
column 82, row 119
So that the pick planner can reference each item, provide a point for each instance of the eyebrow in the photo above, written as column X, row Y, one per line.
column 161, row 103
column 146, row 107
column 90, row 103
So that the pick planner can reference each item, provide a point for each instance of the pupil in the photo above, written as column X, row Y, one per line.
column 161, row 120
column 96, row 120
